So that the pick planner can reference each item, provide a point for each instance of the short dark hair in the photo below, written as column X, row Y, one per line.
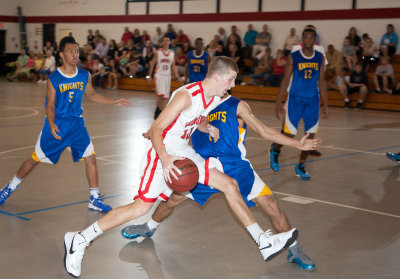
column 309, row 30
column 66, row 40
column 199, row 39
column 390, row 25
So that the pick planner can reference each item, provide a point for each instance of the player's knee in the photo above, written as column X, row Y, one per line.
column 232, row 187
column 91, row 160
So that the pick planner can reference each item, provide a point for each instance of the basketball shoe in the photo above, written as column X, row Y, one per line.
column 274, row 158
column 271, row 244
column 135, row 231
column 296, row 255
column 392, row 156
column 75, row 245
column 301, row 172
column 5, row 193
column 98, row 204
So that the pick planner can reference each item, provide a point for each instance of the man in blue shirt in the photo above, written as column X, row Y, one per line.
column 250, row 36
column 389, row 41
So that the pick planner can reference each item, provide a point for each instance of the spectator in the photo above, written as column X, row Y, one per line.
column 148, row 57
column 48, row 47
column 180, row 61
column 88, row 65
column 90, row 38
column 291, row 40
column 26, row 70
column 171, row 34
column 181, row 38
column 223, row 37
column 130, row 46
column 186, row 47
column 157, row 37
column 145, row 38
column 113, row 75
column 337, row 82
column 349, row 54
column 262, row 42
column 212, row 47
column 236, row 54
column 355, row 40
column 112, row 49
column 137, row 39
column 127, row 35
column 358, row 83
column 37, row 64
column 148, row 46
column 97, row 37
column 278, row 68
column 264, row 69
column 250, row 37
column 49, row 65
column 98, row 71
column 370, row 52
column 220, row 51
column 335, row 59
column 136, row 64
column 21, row 63
column 101, row 49
column 119, row 53
column 389, row 41
column 234, row 34
column 123, row 62
column 383, row 76
column 173, row 46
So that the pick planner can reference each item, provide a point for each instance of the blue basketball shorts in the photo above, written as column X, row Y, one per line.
column 298, row 108
column 250, row 184
column 73, row 134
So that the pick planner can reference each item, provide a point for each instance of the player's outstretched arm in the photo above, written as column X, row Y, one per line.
column 179, row 103
column 323, row 91
column 100, row 99
column 50, row 109
column 283, row 87
column 244, row 113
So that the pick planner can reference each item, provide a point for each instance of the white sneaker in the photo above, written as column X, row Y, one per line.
column 75, row 245
column 271, row 245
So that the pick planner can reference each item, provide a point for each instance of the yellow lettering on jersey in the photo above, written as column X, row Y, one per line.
column 308, row 65
column 197, row 61
column 69, row 86
column 219, row 115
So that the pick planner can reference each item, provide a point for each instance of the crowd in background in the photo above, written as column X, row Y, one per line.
column 108, row 60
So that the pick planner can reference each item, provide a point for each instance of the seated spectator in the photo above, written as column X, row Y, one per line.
column 370, row 53
column 250, row 37
column 186, row 47
column 26, row 67
column 263, row 70
column 173, row 46
column 20, row 63
column 157, row 37
column 127, row 35
column 212, row 47
column 262, row 42
column 335, row 59
column 37, row 64
column 48, row 47
column 136, row 64
column 147, row 47
column 291, row 40
column 97, row 37
column 130, row 46
column 123, row 62
column 223, row 37
column 389, row 41
column 234, row 34
column 147, row 58
column 383, row 76
column 145, row 38
column 337, row 81
column 119, row 53
column 180, row 61
column 358, row 83
column 278, row 68
column 49, row 65
column 220, row 51
column 112, row 49
column 137, row 39
column 113, row 75
column 101, row 49
column 349, row 54
column 181, row 38
column 171, row 34
column 98, row 71
column 354, row 39
column 236, row 54
column 90, row 38
column 88, row 64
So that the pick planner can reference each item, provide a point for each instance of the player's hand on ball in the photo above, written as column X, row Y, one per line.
column 122, row 103
column 213, row 131
column 168, row 165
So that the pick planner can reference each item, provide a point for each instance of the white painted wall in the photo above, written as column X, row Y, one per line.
column 370, row 4
column 311, row 5
column 281, row 5
column 229, row 6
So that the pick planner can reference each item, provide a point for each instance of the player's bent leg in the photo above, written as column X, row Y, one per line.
column 163, row 210
column 277, row 216
column 296, row 255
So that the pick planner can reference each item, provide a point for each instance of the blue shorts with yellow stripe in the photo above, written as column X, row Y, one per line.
column 297, row 108
column 73, row 134
column 250, row 184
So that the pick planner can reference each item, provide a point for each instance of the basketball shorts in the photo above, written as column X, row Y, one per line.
column 163, row 85
column 250, row 184
column 298, row 108
column 73, row 134
column 152, row 184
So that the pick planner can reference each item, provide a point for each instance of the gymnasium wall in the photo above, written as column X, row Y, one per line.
column 330, row 30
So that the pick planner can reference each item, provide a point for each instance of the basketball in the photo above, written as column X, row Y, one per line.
column 189, row 177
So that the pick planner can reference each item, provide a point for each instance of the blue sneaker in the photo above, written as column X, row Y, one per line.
column 135, row 231
column 296, row 255
column 99, row 205
column 393, row 156
column 301, row 172
column 274, row 158
column 5, row 193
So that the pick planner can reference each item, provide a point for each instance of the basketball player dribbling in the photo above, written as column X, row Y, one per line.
column 169, row 141
column 64, row 125
column 164, row 64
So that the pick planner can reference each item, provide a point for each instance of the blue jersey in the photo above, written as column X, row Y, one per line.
column 231, row 141
column 305, row 75
column 69, row 92
column 197, row 66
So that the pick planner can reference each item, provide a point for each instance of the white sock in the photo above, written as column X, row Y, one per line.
column 255, row 231
column 294, row 243
column 94, row 192
column 152, row 224
column 91, row 232
column 346, row 100
column 14, row 182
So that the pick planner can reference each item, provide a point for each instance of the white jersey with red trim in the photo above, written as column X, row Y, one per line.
column 164, row 62
column 318, row 48
column 176, row 136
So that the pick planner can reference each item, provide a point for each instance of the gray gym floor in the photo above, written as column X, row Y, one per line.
column 348, row 214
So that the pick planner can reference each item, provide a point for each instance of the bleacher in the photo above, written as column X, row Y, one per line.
column 248, row 92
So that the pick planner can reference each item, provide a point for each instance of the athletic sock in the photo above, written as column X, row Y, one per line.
column 14, row 182
column 91, row 232
column 152, row 224
column 255, row 231
column 294, row 243
column 346, row 100
column 94, row 192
